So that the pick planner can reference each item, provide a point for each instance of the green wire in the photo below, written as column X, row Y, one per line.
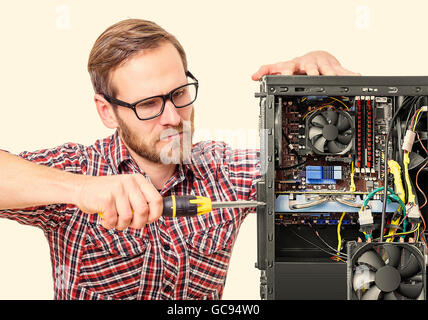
column 392, row 196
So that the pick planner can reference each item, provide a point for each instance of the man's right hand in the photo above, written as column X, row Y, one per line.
column 126, row 200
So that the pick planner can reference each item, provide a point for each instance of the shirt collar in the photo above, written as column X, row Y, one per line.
column 117, row 153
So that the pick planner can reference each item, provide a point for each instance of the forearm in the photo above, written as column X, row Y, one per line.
column 26, row 184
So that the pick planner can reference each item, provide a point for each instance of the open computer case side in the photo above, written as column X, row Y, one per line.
column 282, row 277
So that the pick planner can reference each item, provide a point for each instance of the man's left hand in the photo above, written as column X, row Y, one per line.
column 314, row 63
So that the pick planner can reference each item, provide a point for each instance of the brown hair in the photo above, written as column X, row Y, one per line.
column 120, row 42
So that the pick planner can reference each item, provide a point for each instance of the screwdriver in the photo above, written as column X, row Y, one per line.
column 187, row 206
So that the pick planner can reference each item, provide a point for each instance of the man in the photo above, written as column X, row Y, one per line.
column 100, row 206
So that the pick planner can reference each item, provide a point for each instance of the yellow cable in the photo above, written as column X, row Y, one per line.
column 398, row 183
column 339, row 259
column 340, row 102
column 352, row 187
column 399, row 190
column 406, row 162
column 403, row 233
column 339, row 237
column 316, row 109
column 417, row 118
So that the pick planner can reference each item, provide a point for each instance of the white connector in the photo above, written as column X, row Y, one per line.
column 408, row 141
column 413, row 212
column 365, row 218
column 424, row 108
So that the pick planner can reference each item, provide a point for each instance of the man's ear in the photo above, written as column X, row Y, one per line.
column 105, row 111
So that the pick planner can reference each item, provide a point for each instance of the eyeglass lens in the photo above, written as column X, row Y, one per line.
column 181, row 97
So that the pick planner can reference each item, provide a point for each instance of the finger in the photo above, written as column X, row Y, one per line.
column 109, row 215
column 140, row 208
column 284, row 68
column 153, row 198
column 140, row 217
column 335, row 64
column 261, row 72
column 124, row 212
column 311, row 69
column 325, row 68
column 123, row 207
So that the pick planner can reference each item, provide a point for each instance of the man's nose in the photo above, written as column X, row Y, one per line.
column 170, row 115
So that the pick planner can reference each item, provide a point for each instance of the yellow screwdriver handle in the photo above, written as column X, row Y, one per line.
column 186, row 206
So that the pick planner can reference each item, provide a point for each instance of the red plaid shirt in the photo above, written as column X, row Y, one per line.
column 182, row 258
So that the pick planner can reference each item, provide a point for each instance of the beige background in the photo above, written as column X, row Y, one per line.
column 46, row 95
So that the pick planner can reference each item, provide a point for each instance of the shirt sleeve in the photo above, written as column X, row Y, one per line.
column 69, row 157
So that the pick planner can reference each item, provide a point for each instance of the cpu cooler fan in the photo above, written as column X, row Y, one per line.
column 330, row 132
column 386, row 271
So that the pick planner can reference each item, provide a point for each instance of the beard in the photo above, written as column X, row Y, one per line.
column 157, row 150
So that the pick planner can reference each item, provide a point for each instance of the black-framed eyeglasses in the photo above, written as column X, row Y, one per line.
column 153, row 107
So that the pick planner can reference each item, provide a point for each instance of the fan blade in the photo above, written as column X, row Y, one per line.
column 409, row 265
column 344, row 138
column 390, row 296
column 314, row 131
column 410, row 290
column 319, row 121
column 335, row 147
column 393, row 255
column 330, row 116
column 356, row 295
column 363, row 277
column 319, row 144
column 372, row 259
column 372, row 294
column 415, row 160
column 343, row 123
column 417, row 278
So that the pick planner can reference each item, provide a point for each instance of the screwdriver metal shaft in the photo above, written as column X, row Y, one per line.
column 236, row 204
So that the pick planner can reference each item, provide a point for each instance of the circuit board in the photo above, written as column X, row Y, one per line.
column 304, row 168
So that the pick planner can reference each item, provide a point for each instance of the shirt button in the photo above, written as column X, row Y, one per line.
column 166, row 247
column 167, row 289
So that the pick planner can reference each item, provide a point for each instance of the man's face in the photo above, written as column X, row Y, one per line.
column 164, row 139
